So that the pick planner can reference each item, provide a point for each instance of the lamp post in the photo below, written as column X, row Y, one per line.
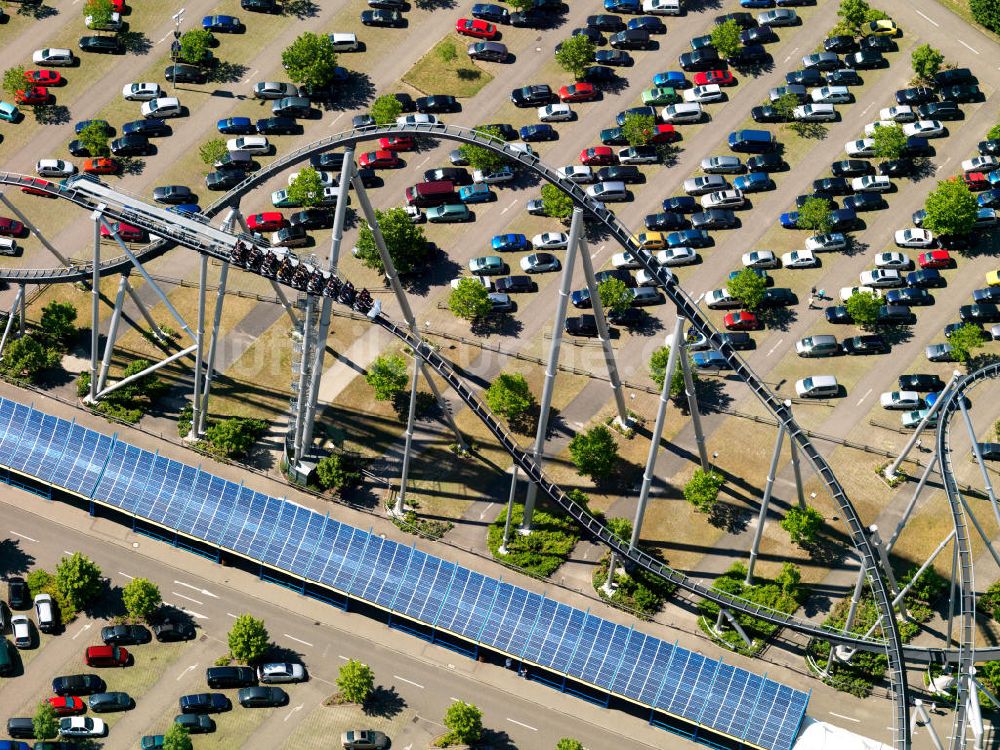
column 174, row 48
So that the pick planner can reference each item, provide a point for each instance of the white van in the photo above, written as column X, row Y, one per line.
column 682, row 112
column 8, row 246
column 663, row 7
column 817, row 386
column 46, row 614
column 831, row 95
column 344, row 42
column 608, row 191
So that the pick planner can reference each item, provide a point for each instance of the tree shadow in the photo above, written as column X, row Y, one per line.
column 384, row 702
column 669, row 154
column 109, row 604
column 469, row 74
column 755, row 70
column 428, row 407
column 498, row 325
column 130, row 165
column 897, row 334
column 51, row 114
column 496, row 739
column 283, row 654
column 356, row 93
column 855, row 246
column 614, row 85
column 922, row 169
column 300, row 9
column 37, row 11
column 227, row 72
column 135, row 42
column 777, row 318
column 647, row 325
column 712, row 396
column 814, row 131
column 13, row 559
column 731, row 518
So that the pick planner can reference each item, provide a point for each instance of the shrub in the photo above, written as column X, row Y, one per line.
column 248, row 639
column 464, row 722
column 78, row 579
column 356, row 681
column 702, row 490
column 510, row 396
column 802, row 524
column 234, row 436
column 387, row 376
column 540, row 553
column 337, row 471
column 141, row 598
column 594, row 452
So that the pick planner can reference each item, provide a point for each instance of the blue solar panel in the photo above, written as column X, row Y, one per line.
column 509, row 606
column 338, row 552
column 349, row 542
column 308, row 552
column 286, row 558
column 382, row 570
column 630, row 661
column 282, row 526
column 228, row 504
column 525, row 624
column 461, row 614
column 559, row 661
column 24, row 449
column 383, row 591
column 87, row 465
column 177, row 493
column 224, row 496
column 321, row 557
column 54, row 451
column 434, row 598
column 12, row 437
column 631, row 684
column 771, row 717
column 588, row 635
column 595, row 659
column 251, row 521
column 419, row 573
column 143, row 500
column 366, row 566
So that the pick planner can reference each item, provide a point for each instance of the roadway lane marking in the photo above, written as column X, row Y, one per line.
column 232, row 615
column 521, row 724
column 250, row 76
column 297, row 640
column 158, row 41
column 23, row 536
column 426, row 159
column 67, row 552
column 841, row 716
column 453, row 698
column 82, row 630
column 126, row 575
column 771, row 351
column 334, row 120
column 928, row 18
column 186, row 597
column 867, row 394
column 485, row 511
column 292, row 712
column 342, row 657
column 193, row 666
column 508, row 208
column 200, row 591
column 411, row 682
column 971, row 49
column 868, row 107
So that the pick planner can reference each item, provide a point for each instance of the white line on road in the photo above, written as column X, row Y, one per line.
column 200, row 591
column 82, row 630
column 485, row 511
column 931, row 20
column 232, row 615
column 868, row 107
column 334, row 120
column 520, row 724
column 508, row 208
column 125, row 575
column 297, row 640
column 250, row 76
column 599, row 251
column 342, row 657
column 453, row 698
column 186, row 597
column 158, row 41
column 867, row 394
column 774, row 347
column 971, row 49
column 193, row 666
column 426, row 159
column 849, row 718
column 23, row 536
column 292, row 712
column 411, row 682
column 67, row 552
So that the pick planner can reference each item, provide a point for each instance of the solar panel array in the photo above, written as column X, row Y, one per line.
column 401, row 579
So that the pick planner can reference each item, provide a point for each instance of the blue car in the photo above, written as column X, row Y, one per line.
column 185, row 209
column 581, row 299
column 756, row 3
column 491, row 12
column 613, row 137
column 78, row 128
column 994, row 177
column 236, row 126
column 696, row 238
column 222, row 24
column 710, row 360
column 509, row 243
column 542, row 132
column 684, row 204
column 671, row 79
column 477, row 193
column 623, row 6
column 754, row 182
column 790, row 220
column 989, row 199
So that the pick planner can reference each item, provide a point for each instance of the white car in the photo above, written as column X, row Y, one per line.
column 165, row 106
column 799, row 259
column 760, row 259
column 113, row 24
column 710, row 92
column 556, row 113
column 981, row 164
column 496, row 177
column 846, row 292
column 924, row 129
column 819, row 243
column 645, row 278
column 901, row 400
column 662, row 7
column 815, row 113
column 874, row 183
column 268, row 674
column 898, row 261
column 817, row 386
column 625, row 260
column 20, row 628
column 54, row 56
column 723, row 199
column 882, row 277
column 831, row 95
column 141, row 92
column 719, row 298
column 55, row 168
column 914, row 237
column 417, row 119
column 81, row 726
column 326, row 179
column 253, row 144
column 550, row 241
column 486, row 281
column 577, row 173
column 677, row 256
column 871, row 127
column 902, row 113
column 860, row 147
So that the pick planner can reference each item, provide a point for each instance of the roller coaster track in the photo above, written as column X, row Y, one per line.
column 178, row 230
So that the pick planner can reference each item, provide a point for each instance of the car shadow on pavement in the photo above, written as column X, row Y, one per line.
column 13, row 559
column 434, row 4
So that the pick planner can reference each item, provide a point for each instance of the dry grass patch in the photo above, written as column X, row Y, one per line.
column 460, row 76
column 323, row 722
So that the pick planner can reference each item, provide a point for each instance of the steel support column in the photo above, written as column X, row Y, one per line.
column 220, row 296
column 952, row 598
column 22, row 313
column 34, row 230
column 855, row 599
column 196, row 403
column 151, row 369
column 978, row 452
column 692, row 399
column 95, row 307
column 765, row 502
column 155, row 331
column 890, row 473
column 502, row 549
column 796, row 469
column 408, row 445
column 11, row 316
column 302, row 399
column 109, row 343
column 912, row 504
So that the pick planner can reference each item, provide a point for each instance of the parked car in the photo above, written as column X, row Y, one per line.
column 81, row 726
column 110, row 702
column 118, row 635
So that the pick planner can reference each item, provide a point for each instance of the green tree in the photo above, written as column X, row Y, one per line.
column 470, row 300
column 99, row 11
column 404, row 240
column 141, row 598
column 964, row 340
column 510, row 396
column 987, row 13
column 785, row 106
column 702, row 489
column 557, row 204
column 78, row 579
column 356, row 681
column 248, row 639
column 853, row 13
column 13, row 79
column 177, row 738
column 748, row 288
column 815, row 215
column 989, row 600
column 576, row 54
column 890, row 141
column 951, row 208
column 594, row 452
column 726, row 38
column 447, row 51
column 307, row 187
column 336, row 471
column 658, row 369
column 25, row 358
column 638, row 129
column 615, row 296
column 234, row 436
column 483, row 158
column 620, row 527
column 310, row 60
column 789, row 579
column 569, row 744
column 195, row 46
column 387, row 375
column 386, row 109
column 994, row 132
column 926, row 61
column 802, row 524
column 94, row 138
column 213, row 150
column 464, row 723
column 519, row 4
column 58, row 323
column 44, row 722
column 863, row 308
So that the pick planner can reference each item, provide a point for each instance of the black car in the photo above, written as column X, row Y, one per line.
column 76, row 148
column 331, row 161
column 844, row 77
column 909, row 297
column 894, row 315
column 851, row 168
column 184, row 73
column 262, row 696
column 879, row 44
column 741, row 18
column 173, row 194
column 515, row 284
column 925, row 278
column 986, row 312
column 490, row 12
column 204, row 703
column 684, row 204
column 758, row 35
column 649, row 24
column 953, row 76
column 599, row 74
column 961, row 92
column 866, row 59
column 866, row 345
column 436, row 104
column 840, row 44
column 17, row 593
column 807, row 77
column 108, row 45
column 843, row 219
column 988, row 294
column 700, row 59
column 590, row 32
column 109, row 702
column 196, row 723
column 224, row 179
column 920, row 382
column 630, row 316
column 261, row 6
column 751, row 54
column 739, row 340
column 78, row 684
column 532, row 96
column 584, row 325
column 767, row 113
column 387, row 4
column 665, row 221
column 778, row 296
column 533, row 18
column 865, row 200
column 169, row 631
column 125, row 635
column 631, row 39
column 130, row 145
column 618, row 58
column 940, row 111
column 291, row 237
column 765, row 163
column 311, row 218
column 916, row 95
column 457, row 175
column 801, row 200
column 895, row 167
column 833, row 186
column 838, row 314
column 383, row 18
column 621, row 274
column 626, row 173
column 917, row 146
column 538, row 132
column 277, row 126
column 150, row 128
column 606, row 22
column 504, row 129
column 714, row 218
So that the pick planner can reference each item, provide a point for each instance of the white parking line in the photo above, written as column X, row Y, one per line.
column 867, row 394
column 485, row 511
column 125, row 575
column 250, row 76
column 411, row 682
column 232, row 615
column 868, row 107
column 342, row 657
column 453, row 698
column 971, row 49
column 841, row 716
column 771, row 351
column 158, row 41
column 508, row 208
column 186, row 597
column 426, row 159
column 297, row 640
column 82, row 630
column 928, row 18
column 67, row 552
column 334, row 120
column 521, row 724
column 193, row 666
column 23, row 536
column 292, row 712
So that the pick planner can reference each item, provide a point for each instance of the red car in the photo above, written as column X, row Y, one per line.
column 32, row 95
column 935, row 259
column 269, row 221
column 397, row 143
column 41, row 187
column 577, row 92
column 10, row 227
column 105, row 656
column 665, row 133
column 127, row 232
column 43, row 78
column 741, row 320
column 976, row 181
column 99, row 165
column 379, row 160
column 67, row 705
column 598, row 156
column 719, row 77
column 475, row 27
column 118, row 6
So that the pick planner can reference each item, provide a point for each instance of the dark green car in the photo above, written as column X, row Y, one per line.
column 151, row 742
column 195, row 723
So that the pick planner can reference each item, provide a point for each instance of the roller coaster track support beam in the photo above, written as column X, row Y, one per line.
column 199, row 352
column 978, row 451
column 22, row 312
column 302, row 397
column 912, row 504
column 890, row 473
column 11, row 316
column 692, row 399
column 220, row 296
column 411, row 416
column 109, row 342
column 502, row 549
column 920, row 714
column 34, row 230
column 952, row 596
column 765, row 502
column 552, row 364
column 95, row 307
